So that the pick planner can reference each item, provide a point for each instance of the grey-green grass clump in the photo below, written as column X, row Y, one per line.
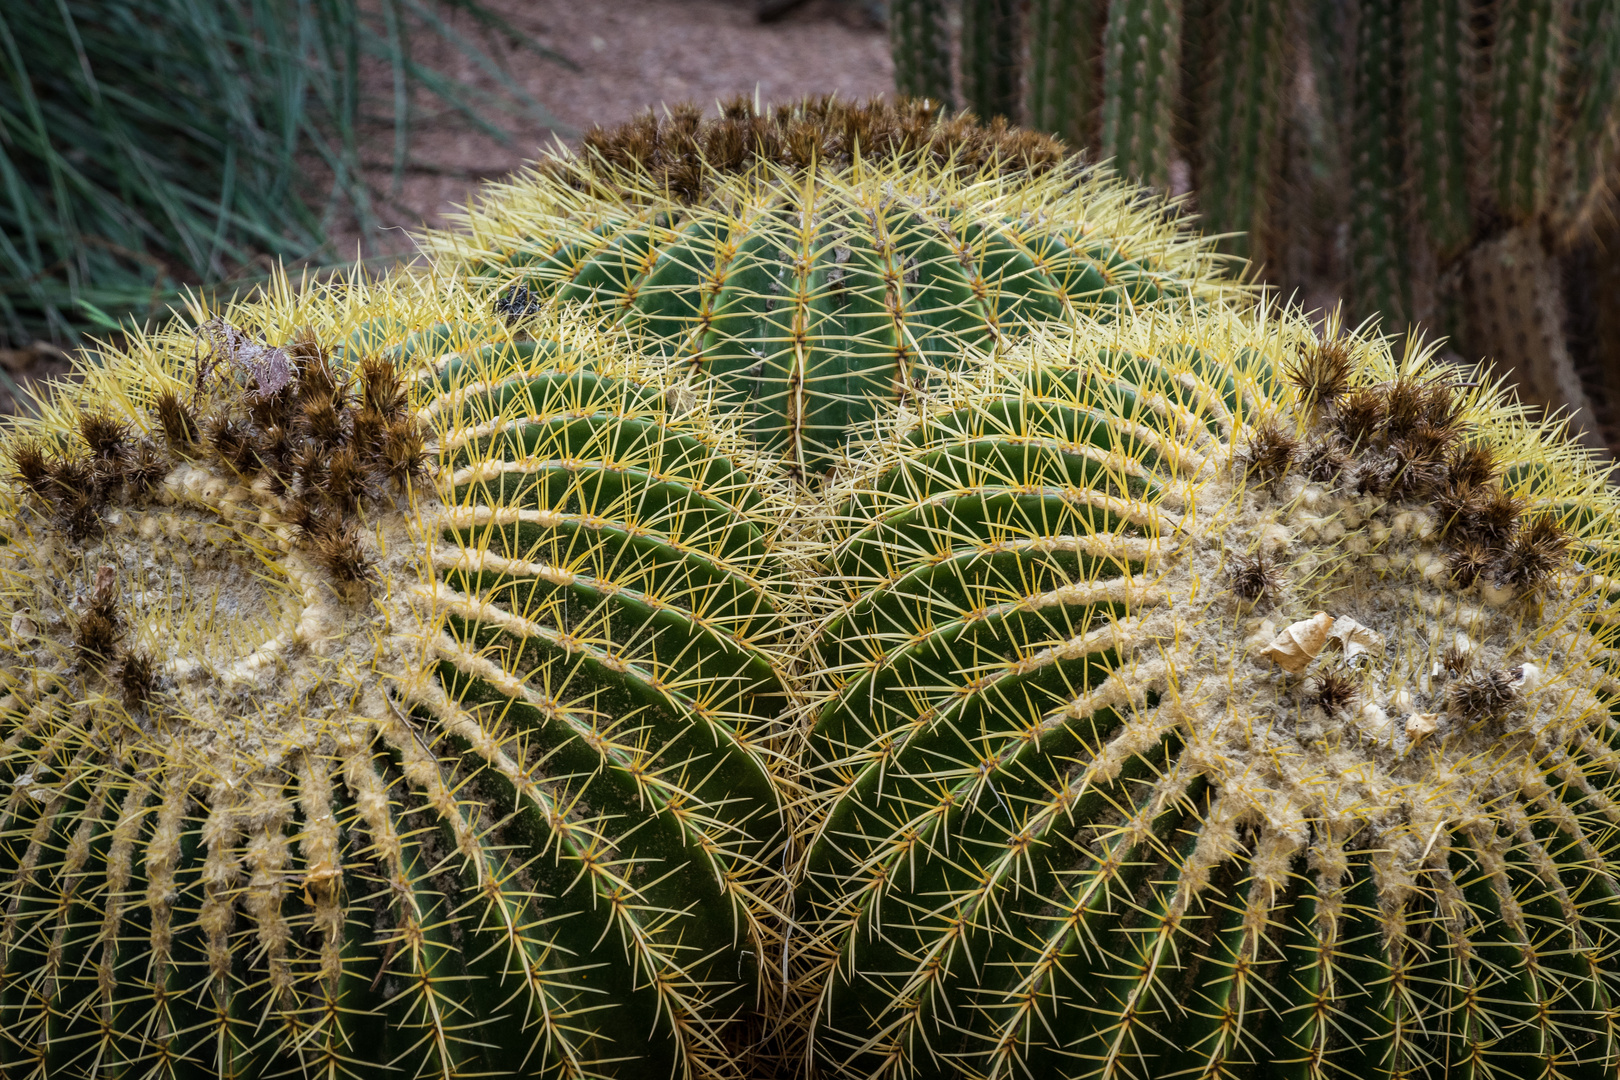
column 821, row 262
column 1161, row 735
column 389, row 694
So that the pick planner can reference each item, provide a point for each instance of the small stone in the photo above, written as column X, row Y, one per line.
column 1420, row 726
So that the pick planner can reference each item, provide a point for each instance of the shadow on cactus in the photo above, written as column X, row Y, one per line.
column 383, row 692
column 1208, row 699
column 820, row 261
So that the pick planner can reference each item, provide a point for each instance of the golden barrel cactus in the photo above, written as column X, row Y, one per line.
column 383, row 693
column 1148, row 689
column 818, row 262
column 1207, row 699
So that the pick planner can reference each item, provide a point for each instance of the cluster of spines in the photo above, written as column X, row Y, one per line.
column 683, row 153
column 77, row 488
column 1252, row 576
column 314, row 440
column 1407, row 439
column 78, row 485
column 98, row 644
column 321, row 447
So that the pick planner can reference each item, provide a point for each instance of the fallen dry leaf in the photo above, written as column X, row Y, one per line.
column 1421, row 725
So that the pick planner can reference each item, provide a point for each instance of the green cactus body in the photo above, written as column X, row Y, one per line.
column 1439, row 66
column 1593, row 136
column 816, row 298
column 1064, row 91
column 1379, row 228
column 1081, row 821
column 1141, row 80
column 992, row 55
column 920, row 40
column 1245, row 74
column 1526, row 66
column 499, row 800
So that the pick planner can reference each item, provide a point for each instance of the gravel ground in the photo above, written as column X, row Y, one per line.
column 628, row 56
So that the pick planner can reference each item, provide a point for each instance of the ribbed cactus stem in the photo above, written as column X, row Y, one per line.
column 1526, row 65
column 920, row 42
column 1141, row 81
column 1209, row 703
column 1064, row 88
column 1239, row 122
column 992, row 58
column 1380, row 246
column 308, row 772
column 1593, row 139
column 811, row 297
column 1437, row 99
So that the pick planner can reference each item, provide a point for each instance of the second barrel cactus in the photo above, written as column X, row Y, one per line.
column 819, row 262
column 365, row 709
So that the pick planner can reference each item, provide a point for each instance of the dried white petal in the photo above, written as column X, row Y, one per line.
column 1374, row 721
column 1299, row 643
column 1355, row 639
column 1528, row 678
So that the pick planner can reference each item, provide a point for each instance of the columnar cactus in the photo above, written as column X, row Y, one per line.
column 821, row 262
column 384, row 700
column 1482, row 149
column 1206, row 700
column 920, row 31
